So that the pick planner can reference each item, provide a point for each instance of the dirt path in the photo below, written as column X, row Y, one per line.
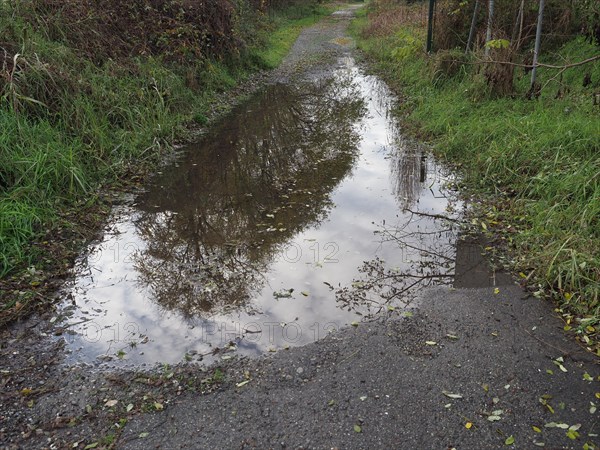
column 468, row 369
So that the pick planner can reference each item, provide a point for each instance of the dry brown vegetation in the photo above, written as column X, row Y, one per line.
column 103, row 29
column 391, row 15
column 453, row 19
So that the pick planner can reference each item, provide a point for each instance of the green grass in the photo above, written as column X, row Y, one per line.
column 69, row 127
column 537, row 159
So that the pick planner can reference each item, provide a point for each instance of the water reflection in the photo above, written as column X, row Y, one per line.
column 213, row 223
column 257, row 237
column 428, row 258
column 408, row 171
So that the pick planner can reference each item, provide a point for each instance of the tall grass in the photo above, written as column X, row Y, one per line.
column 538, row 160
column 69, row 126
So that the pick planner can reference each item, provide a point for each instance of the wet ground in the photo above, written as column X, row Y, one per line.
column 306, row 225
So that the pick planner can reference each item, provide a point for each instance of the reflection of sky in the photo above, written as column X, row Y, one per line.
column 121, row 311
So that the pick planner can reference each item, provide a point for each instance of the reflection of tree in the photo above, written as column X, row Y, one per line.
column 428, row 259
column 214, row 221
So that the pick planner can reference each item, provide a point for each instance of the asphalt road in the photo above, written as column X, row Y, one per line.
column 386, row 385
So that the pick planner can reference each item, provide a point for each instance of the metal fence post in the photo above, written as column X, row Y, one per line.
column 538, row 38
column 430, row 26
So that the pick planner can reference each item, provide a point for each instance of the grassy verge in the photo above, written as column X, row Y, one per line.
column 72, row 128
column 533, row 165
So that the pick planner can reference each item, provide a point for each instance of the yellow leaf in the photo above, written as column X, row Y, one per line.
column 496, row 291
column 536, row 429
column 468, row 425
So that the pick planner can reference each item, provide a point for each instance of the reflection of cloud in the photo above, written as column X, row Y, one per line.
column 215, row 209
column 427, row 253
column 267, row 173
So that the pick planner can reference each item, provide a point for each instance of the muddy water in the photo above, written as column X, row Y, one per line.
column 302, row 211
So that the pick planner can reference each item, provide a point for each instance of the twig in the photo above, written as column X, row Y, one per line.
column 434, row 216
column 348, row 357
column 530, row 66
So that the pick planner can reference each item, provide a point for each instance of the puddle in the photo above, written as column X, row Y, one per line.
column 286, row 222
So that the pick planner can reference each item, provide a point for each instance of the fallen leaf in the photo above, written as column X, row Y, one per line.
column 536, row 429
column 305, row 293
column 430, row 342
column 144, row 434
column 357, row 429
column 496, row 291
column 158, row 406
column 510, row 440
column 468, row 425
column 129, row 407
column 564, row 426
column 450, row 395
column 572, row 434
column 242, row 383
column 111, row 403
